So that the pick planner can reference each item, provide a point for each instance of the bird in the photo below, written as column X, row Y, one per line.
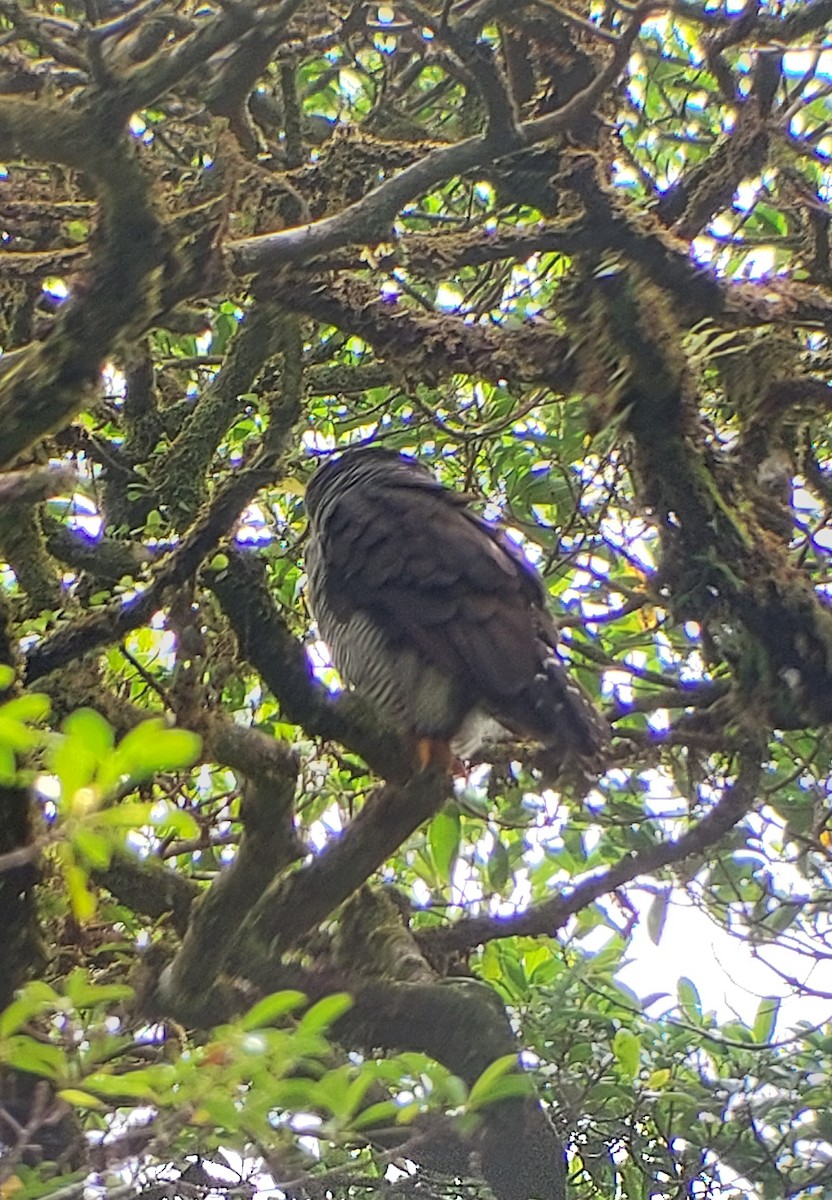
column 435, row 615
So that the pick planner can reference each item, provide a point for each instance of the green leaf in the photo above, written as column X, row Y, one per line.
column 129, row 814
column 408, row 1113
column 77, row 231
column 382, row 1113
column 298, row 1094
column 355, row 1093
column 15, row 734
column 219, row 1111
column 780, row 919
column 443, row 839
column 95, row 849
column 147, row 749
column 325, row 1012
column 135, row 1085
column 659, row 1079
column 627, row 1049
column 456, row 1091
column 85, row 994
column 29, row 708
column 35, row 998
column 512, row 1087
column 165, row 815
column 333, row 1091
column 657, row 915
column 78, row 1099
column 38, row 1058
column 80, row 897
column 266, row 1011
column 88, row 728
column 8, row 764
column 497, row 866
column 74, row 764
column 6, row 677
column 689, row 1000
column 765, row 1018
column 484, row 1086
column 135, row 814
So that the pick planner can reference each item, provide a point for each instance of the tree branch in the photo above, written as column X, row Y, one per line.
column 144, row 85
column 112, row 621
column 149, row 888
column 180, row 479
column 296, row 905
column 438, row 346
column 44, row 384
column 369, row 219
column 267, row 846
column 27, row 487
column 280, row 659
column 550, row 916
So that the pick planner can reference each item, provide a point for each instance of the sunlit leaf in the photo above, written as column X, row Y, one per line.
column 36, row 997
column 323, row 1014
column 24, row 1053
column 689, row 1000
column 443, row 836
column 147, row 749
column 81, row 897
column 92, row 847
column 385, row 1112
column 484, row 1087
column 29, row 708
column 627, row 1049
column 765, row 1019
column 80, row 1099
column 133, row 1085
column 270, row 1008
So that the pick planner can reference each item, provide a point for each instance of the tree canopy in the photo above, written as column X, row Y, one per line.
column 574, row 256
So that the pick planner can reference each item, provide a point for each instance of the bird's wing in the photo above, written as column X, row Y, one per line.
column 435, row 576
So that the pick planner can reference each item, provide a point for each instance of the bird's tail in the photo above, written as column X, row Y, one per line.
column 575, row 734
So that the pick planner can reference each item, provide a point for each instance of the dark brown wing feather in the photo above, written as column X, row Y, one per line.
column 430, row 573
column 433, row 575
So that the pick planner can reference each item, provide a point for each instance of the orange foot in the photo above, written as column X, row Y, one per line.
column 436, row 753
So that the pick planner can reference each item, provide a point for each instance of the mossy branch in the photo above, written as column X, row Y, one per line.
column 43, row 385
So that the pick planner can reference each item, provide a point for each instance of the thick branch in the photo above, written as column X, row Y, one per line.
column 296, row 905
column 43, row 385
column 27, row 487
column 147, row 83
column 720, row 565
column 268, row 845
column 463, row 1025
column 437, row 346
column 706, row 188
column 46, row 133
column 149, row 888
column 366, row 221
column 799, row 22
column 23, row 548
column 269, row 645
column 106, row 559
column 180, row 480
